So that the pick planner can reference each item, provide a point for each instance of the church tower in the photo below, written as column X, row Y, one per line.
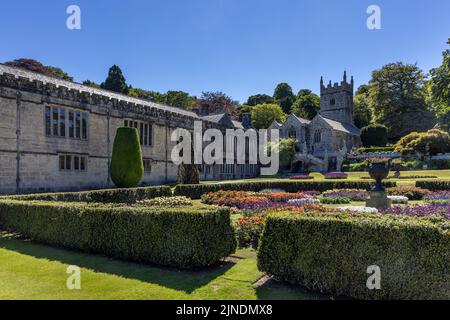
column 336, row 101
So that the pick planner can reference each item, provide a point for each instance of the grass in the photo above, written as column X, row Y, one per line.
column 357, row 176
column 31, row 271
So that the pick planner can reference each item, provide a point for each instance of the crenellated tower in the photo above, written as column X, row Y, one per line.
column 336, row 101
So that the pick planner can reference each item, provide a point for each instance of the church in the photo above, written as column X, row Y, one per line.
column 324, row 142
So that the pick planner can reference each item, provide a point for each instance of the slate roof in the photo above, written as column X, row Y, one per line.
column 238, row 125
column 343, row 127
column 80, row 87
column 214, row 117
column 218, row 117
column 303, row 121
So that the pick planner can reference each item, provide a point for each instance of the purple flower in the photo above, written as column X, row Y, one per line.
column 442, row 210
column 336, row 175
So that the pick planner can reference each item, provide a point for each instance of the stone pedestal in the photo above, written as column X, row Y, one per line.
column 378, row 200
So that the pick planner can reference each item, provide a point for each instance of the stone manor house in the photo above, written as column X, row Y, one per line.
column 324, row 142
column 57, row 135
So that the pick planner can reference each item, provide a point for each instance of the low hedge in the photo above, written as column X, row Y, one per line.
column 332, row 252
column 433, row 185
column 101, row 196
column 177, row 237
column 196, row 191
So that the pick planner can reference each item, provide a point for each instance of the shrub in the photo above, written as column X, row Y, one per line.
column 302, row 177
column 376, row 150
column 374, row 136
column 127, row 167
column 411, row 252
column 412, row 193
column 357, row 167
column 178, row 237
column 433, row 185
column 432, row 142
column 101, row 196
column 196, row 191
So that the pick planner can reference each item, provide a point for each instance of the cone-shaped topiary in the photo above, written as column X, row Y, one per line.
column 126, row 168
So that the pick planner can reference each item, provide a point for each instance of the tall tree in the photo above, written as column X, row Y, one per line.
column 115, row 81
column 284, row 96
column 259, row 99
column 307, row 104
column 440, row 91
column 362, row 113
column 217, row 102
column 397, row 98
column 264, row 114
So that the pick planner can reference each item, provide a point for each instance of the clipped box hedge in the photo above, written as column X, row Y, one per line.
column 433, row 185
column 179, row 237
column 101, row 196
column 196, row 191
column 332, row 252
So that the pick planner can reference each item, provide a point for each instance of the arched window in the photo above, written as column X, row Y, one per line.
column 292, row 133
column 317, row 136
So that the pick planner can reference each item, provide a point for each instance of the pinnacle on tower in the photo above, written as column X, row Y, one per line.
column 345, row 76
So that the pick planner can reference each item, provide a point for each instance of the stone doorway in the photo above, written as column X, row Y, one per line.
column 332, row 164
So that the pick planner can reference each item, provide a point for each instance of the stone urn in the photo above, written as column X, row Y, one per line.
column 378, row 196
column 379, row 172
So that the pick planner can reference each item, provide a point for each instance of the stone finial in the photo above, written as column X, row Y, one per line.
column 345, row 76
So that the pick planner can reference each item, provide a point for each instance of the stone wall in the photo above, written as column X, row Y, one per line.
column 29, row 159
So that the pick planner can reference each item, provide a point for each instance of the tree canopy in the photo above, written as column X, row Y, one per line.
column 307, row 104
column 397, row 99
column 362, row 112
column 440, row 91
column 284, row 96
column 259, row 99
column 38, row 67
column 217, row 102
column 264, row 114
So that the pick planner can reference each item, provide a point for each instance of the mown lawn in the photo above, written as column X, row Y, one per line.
column 33, row 271
column 357, row 176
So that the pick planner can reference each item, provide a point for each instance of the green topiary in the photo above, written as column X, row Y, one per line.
column 127, row 167
column 374, row 136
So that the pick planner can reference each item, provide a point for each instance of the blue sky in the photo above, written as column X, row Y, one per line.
column 241, row 47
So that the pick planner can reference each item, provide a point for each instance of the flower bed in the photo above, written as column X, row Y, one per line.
column 335, row 200
column 438, row 197
column 336, row 175
column 438, row 210
column 398, row 199
column 358, row 209
column 168, row 202
column 352, row 194
column 413, row 193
